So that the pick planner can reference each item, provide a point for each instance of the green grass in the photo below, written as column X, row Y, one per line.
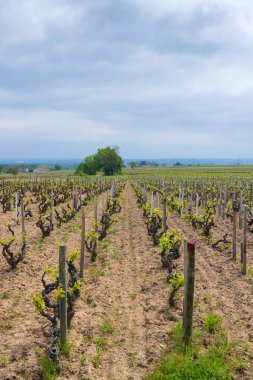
column 115, row 253
column 3, row 361
column 82, row 361
column 221, row 247
column 66, row 238
column 209, row 357
column 212, row 323
column 49, row 369
column 95, row 272
column 132, row 359
column 96, row 360
column 246, row 346
column 104, row 244
column 65, row 348
column 206, row 297
column 16, row 314
column 6, row 326
column 132, row 296
column 114, row 230
column 77, row 227
column 5, row 296
column 40, row 240
column 99, row 341
column 107, row 327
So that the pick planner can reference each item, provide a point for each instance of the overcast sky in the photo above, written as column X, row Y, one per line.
column 163, row 78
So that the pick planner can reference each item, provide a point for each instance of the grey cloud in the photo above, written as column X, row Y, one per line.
column 173, row 77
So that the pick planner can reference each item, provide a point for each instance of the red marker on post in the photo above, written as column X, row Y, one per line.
column 191, row 246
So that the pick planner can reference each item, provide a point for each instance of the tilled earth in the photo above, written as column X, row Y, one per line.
column 122, row 319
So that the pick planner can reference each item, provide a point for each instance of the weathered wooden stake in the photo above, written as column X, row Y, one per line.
column 80, row 195
column 63, row 300
column 16, row 208
column 244, row 241
column 152, row 203
column 96, row 213
column 234, row 232
column 197, row 204
column 191, row 199
column 102, row 202
column 51, row 210
column 220, row 204
column 157, row 200
column 188, row 290
column 240, row 213
column 164, row 214
column 22, row 217
column 82, row 242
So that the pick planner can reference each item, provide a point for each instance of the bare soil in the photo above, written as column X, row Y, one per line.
column 122, row 320
column 125, row 289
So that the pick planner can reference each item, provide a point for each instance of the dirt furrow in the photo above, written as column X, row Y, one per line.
column 122, row 320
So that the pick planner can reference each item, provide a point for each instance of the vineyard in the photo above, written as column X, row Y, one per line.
column 93, row 277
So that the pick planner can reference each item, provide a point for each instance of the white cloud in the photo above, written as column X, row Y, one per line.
column 126, row 73
column 52, row 125
column 29, row 21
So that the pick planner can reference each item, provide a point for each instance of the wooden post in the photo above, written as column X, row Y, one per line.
column 80, row 195
column 96, row 213
column 152, row 203
column 22, row 217
column 102, row 201
column 244, row 241
column 220, row 204
column 82, row 242
column 191, row 199
column 188, row 290
column 74, row 199
column 240, row 212
column 179, row 193
column 51, row 210
column 63, row 300
column 234, row 232
column 182, row 201
column 16, row 208
column 165, row 214
column 197, row 204
column 226, row 196
column 185, row 277
column 157, row 200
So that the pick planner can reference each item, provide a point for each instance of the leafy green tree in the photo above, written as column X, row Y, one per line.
column 178, row 163
column 57, row 167
column 109, row 160
column 106, row 159
column 13, row 169
column 143, row 163
column 132, row 164
column 90, row 166
column 1, row 168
